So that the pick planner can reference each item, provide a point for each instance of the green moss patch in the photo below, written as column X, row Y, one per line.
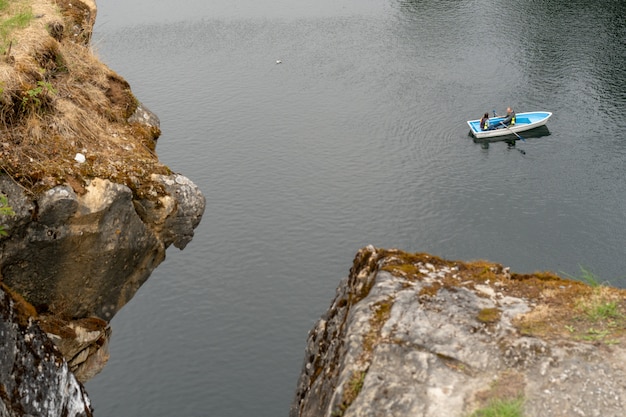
column 489, row 315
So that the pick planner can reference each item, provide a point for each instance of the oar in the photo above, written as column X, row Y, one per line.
column 518, row 136
column 509, row 129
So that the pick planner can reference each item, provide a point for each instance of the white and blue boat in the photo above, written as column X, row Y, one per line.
column 523, row 122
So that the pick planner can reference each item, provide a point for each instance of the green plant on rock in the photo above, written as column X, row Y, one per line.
column 595, row 335
column 351, row 391
column 501, row 408
column 600, row 306
column 602, row 314
column 589, row 278
column 34, row 99
column 5, row 210
column 603, row 310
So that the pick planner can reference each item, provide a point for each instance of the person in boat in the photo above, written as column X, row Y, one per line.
column 484, row 122
column 509, row 119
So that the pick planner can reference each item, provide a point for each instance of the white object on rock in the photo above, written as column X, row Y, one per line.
column 80, row 158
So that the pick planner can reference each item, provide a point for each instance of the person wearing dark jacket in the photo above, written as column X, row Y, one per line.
column 509, row 119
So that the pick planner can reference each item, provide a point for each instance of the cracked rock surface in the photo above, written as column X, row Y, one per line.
column 415, row 335
column 35, row 380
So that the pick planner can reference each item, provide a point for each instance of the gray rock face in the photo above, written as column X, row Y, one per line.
column 441, row 344
column 78, row 259
column 83, row 342
column 79, row 256
column 144, row 116
column 75, row 254
column 34, row 378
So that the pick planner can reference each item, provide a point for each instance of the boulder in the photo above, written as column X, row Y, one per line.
column 79, row 256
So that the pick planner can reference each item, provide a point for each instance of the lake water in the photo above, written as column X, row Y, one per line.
column 357, row 137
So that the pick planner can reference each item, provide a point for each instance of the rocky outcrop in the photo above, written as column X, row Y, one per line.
column 415, row 335
column 76, row 257
column 35, row 380
column 95, row 210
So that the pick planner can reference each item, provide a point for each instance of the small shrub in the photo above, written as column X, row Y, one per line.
column 35, row 99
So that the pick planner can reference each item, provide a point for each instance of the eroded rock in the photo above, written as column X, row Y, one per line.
column 95, row 210
column 414, row 335
column 84, row 256
column 80, row 256
column 35, row 380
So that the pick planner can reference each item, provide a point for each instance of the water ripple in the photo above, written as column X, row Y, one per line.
column 358, row 137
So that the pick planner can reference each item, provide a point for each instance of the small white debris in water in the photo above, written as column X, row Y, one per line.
column 80, row 158
column 278, row 61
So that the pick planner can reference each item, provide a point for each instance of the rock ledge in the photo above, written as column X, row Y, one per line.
column 415, row 335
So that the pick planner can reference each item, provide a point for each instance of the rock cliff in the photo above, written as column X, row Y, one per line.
column 416, row 335
column 94, row 209
column 35, row 380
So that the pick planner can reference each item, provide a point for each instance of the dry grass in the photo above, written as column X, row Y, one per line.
column 57, row 99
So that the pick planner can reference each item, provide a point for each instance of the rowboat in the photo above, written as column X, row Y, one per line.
column 523, row 122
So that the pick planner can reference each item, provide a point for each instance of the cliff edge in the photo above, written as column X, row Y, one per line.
column 94, row 209
column 416, row 335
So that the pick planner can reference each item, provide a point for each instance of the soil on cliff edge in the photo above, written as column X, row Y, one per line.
column 58, row 100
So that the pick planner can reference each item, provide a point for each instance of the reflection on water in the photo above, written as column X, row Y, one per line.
column 358, row 137
column 535, row 133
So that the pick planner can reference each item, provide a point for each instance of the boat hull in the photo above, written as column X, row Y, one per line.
column 523, row 122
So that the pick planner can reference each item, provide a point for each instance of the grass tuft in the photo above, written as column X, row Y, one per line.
column 13, row 15
column 601, row 305
column 351, row 392
column 602, row 312
column 588, row 277
column 501, row 408
column 5, row 210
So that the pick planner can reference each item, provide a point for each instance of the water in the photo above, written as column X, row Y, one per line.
column 358, row 137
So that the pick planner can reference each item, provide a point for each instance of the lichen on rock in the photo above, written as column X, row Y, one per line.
column 413, row 334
